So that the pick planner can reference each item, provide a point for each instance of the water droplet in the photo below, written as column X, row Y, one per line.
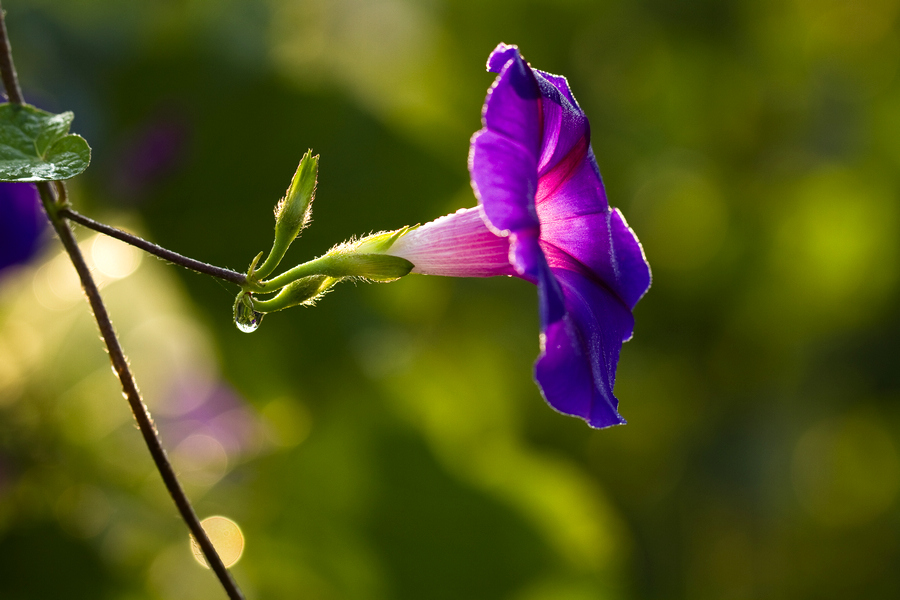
column 248, row 321
column 245, row 318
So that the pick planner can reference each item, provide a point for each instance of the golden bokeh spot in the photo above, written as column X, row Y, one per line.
column 114, row 259
column 226, row 538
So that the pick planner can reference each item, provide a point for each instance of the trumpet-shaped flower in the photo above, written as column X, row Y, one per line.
column 543, row 216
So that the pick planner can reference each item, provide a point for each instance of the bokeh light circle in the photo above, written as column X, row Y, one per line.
column 225, row 536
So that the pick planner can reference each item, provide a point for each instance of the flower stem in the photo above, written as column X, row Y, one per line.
column 316, row 266
column 116, row 354
column 133, row 396
column 163, row 253
column 7, row 68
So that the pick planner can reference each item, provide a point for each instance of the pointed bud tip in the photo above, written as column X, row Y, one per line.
column 293, row 212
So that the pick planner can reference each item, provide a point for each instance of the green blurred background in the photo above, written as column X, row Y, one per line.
column 389, row 443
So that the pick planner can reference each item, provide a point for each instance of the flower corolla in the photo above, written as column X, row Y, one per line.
column 543, row 216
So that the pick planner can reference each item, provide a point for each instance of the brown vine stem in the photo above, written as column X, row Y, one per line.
column 116, row 354
column 151, row 248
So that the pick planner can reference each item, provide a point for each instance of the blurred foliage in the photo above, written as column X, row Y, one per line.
column 389, row 443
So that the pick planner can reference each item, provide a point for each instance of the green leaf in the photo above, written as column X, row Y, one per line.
column 34, row 145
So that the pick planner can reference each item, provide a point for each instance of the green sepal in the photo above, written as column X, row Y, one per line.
column 376, row 267
column 292, row 213
column 302, row 291
column 35, row 145
column 380, row 242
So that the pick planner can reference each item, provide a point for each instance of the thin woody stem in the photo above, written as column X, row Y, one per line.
column 163, row 253
column 133, row 396
column 116, row 354
column 7, row 68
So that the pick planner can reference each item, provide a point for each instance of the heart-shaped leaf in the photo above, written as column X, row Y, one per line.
column 35, row 145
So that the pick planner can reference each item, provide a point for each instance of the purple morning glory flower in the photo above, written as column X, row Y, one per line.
column 21, row 223
column 543, row 216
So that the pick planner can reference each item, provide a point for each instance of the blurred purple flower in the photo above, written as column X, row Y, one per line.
column 21, row 223
column 544, row 217
column 193, row 408
column 150, row 155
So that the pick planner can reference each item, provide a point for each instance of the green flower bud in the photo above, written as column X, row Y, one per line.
column 303, row 291
column 292, row 213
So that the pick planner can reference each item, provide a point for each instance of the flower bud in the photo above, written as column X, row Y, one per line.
column 292, row 213
column 303, row 291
